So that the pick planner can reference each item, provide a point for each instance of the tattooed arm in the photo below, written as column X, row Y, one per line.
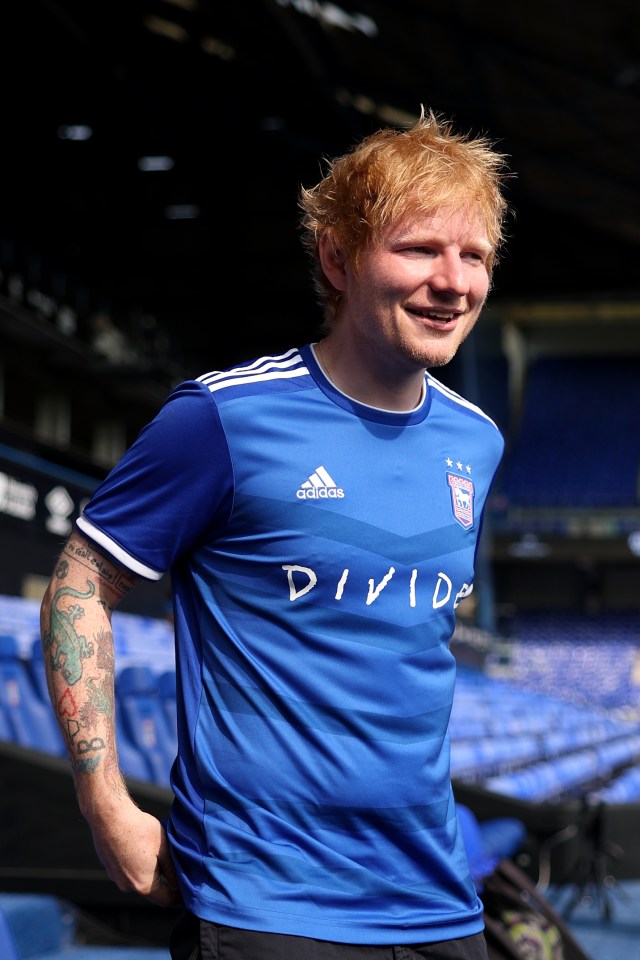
column 79, row 657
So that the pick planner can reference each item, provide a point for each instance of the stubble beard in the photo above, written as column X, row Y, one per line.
column 428, row 356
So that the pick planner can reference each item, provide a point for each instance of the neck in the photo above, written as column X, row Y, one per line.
column 351, row 374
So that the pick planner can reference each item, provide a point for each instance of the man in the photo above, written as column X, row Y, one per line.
column 319, row 513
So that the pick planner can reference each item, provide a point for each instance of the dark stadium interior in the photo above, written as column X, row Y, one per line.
column 247, row 97
column 200, row 265
column 193, row 263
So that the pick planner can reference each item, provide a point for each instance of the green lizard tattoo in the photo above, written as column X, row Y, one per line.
column 70, row 647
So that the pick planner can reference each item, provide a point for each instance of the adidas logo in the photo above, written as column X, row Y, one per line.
column 320, row 486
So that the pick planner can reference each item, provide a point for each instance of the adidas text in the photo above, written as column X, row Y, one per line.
column 320, row 493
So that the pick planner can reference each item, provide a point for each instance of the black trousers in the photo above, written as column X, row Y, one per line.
column 194, row 939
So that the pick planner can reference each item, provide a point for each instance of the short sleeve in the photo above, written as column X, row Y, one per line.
column 173, row 485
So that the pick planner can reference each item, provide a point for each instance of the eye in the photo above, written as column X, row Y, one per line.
column 422, row 249
column 475, row 255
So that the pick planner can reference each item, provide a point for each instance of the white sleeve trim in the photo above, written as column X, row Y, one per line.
column 95, row 534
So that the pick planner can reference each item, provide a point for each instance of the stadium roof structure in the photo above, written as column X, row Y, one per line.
column 153, row 149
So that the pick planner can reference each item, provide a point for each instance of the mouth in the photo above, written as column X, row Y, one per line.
column 439, row 317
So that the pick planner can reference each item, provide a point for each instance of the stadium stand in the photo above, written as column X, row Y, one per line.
column 622, row 789
column 551, row 780
column 548, row 746
column 166, row 685
column 590, row 658
column 133, row 762
column 556, row 467
column 516, row 738
column 29, row 721
column 489, row 842
column 143, row 719
column 44, row 927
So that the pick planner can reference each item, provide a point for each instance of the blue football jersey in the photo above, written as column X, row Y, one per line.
column 318, row 549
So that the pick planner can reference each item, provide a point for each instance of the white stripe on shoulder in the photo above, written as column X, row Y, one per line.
column 116, row 551
column 289, row 364
column 448, row 392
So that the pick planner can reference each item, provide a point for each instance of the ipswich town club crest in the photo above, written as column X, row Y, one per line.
column 461, row 499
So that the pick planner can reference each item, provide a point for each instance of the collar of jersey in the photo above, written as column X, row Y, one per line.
column 363, row 410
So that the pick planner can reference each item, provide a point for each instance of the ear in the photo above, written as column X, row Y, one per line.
column 332, row 263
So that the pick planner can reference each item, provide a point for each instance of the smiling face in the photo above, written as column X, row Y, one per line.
column 416, row 295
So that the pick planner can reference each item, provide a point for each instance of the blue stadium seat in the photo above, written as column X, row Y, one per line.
column 141, row 714
column 6, row 732
column 35, row 926
column 8, row 949
column 39, row 924
column 133, row 761
column 560, row 390
column 31, row 722
column 35, row 665
column 167, row 694
column 502, row 837
column 625, row 788
column 488, row 842
column 466, row 759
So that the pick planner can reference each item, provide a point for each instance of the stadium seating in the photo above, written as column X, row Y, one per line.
column 20, row 617
column 43, row 927
column 587, row 658
column 8, row 950
column 556, row 468
column 622, row 789
column 143, row 720
column 133, row 762
column 35, row 666
column 489, row 841
column 26, row 716
column 167, row 692
column 518, row 744
column 516, row 737
column 30, row 722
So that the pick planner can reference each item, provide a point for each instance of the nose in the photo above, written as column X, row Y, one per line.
column 449, row 276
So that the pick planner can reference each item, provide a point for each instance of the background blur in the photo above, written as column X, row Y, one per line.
column 151, row 156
